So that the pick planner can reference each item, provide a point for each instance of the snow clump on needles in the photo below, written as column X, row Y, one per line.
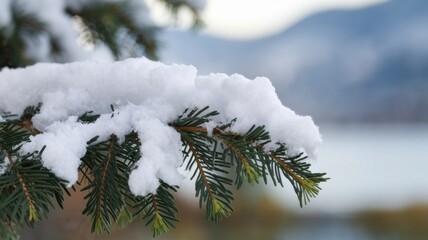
column 147, row 96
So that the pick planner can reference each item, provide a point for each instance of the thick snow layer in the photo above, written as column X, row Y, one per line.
column 147, row 96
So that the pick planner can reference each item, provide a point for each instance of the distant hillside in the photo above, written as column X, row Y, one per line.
column 363, row 65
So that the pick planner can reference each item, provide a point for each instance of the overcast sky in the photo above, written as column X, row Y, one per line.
column 249, row 19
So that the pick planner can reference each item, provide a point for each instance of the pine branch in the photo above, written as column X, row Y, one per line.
column 110, row 23
column 252, row 160
column 304, row 182
column 27, row 190
column 106, row 166
column 104, row 22
column 13, row 37
column 209, row 185
column 32, row 216
column 12, row 136
column 124, row 217
column 203, row 152
column 158, row 209
column 176, row 5
column 9, row 230
column 242, row 152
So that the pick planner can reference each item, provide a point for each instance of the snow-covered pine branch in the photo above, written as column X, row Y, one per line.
column 148, row 119
column 75, row 30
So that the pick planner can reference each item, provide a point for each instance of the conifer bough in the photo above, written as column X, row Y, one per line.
column 123, row 130
column 46, row 30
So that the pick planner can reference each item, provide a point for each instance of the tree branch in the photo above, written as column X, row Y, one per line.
column 32, row 210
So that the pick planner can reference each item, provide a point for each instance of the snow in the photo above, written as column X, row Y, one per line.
column 58, row 26
column 3, row 166
column 64, row 29
column 147, row 96
column 61, row 27
column 5, row 13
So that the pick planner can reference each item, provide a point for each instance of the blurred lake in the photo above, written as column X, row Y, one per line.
column 370, row 166
column 329, row 229
column 377, row 171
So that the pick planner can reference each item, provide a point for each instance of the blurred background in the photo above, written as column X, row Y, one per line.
column 358, row 67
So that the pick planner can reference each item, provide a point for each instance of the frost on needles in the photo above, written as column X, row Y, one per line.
column 128, row 127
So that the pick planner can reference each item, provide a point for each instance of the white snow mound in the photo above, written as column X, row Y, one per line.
column 147, row 96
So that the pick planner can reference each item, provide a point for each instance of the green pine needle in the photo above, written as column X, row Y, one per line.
column 158, row 209
column 124, row 218
column 219, row 210
column 159, row 225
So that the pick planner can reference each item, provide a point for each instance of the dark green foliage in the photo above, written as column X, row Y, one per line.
column 215, row 156
column 12, row 38
column 12, row 136
column 111, row 23
column 88, row 117
column 100, row 22
column 175, row 5
column 242, row 152
column 8, row 230
column 296, row 170
column 208, row 168
column 247, row 154
column 27, row 190
column 106, row 166
column 206, row 161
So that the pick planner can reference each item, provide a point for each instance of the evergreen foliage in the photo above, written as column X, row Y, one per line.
column 12, row 38
column 100, row 22
column 215, row 157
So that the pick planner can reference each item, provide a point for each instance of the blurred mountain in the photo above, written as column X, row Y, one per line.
column 365, row 65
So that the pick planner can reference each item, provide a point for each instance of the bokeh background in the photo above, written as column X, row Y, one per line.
column 359, row 68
